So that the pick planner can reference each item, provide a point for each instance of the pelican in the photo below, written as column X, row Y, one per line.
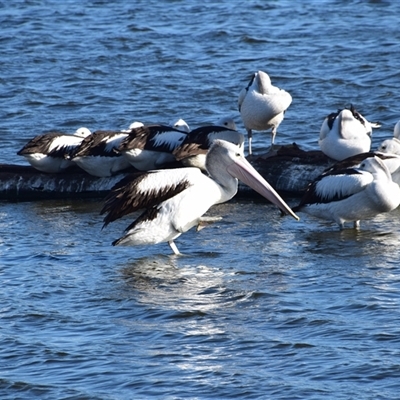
column 97, row 154
column 344, row 134
column 193, row 150
column 262, row 105
column 351, row 194
column 396, row 131
column 176, row 199
column 49, row 152
column 151, row 146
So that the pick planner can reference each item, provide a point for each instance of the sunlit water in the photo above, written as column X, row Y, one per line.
column 258, row 306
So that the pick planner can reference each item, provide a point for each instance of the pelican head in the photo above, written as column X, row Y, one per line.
column 225, row 158
column 82, row 132
column 390, row 146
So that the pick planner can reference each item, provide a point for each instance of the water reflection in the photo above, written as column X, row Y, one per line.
column 171, row 282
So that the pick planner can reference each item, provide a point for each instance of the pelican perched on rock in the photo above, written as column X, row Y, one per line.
column 351, row 194
column 175, row 200
column 49, row 152
column 98, row 154
column 344, row 134
column 262, row 105
column 151, row 146
column 192, row 152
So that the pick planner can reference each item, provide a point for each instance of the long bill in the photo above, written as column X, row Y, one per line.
column 244, row 171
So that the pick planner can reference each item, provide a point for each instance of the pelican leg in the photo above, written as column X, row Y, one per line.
column 173, row 247
column 273, row 134
column 357, row 224
column 250, row 137
column 205, row 221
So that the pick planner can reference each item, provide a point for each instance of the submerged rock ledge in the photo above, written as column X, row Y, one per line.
column 288, row 169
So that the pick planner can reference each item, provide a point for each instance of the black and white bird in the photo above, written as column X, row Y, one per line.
column 175, row 200
column 347, row 193
column 98, row 154
column 50, row 152
column 151, row 146
column 262, row 105
column 344, row 134
column 192, row 152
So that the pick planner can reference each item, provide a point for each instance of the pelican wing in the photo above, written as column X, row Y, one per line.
column 99, row 143
column 146, row 190
column 40, row 143
column 153, row 137
column 336, row 185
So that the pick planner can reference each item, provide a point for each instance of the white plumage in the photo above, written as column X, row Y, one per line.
column 344, row 134
column 175, row 200
column 352, row 194
column 391, row 146
column 262, row 105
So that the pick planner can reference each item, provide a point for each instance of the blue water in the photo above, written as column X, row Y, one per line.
column 258, row 306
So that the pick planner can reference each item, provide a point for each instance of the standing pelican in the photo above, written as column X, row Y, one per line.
column 151, row 146
column 175, row 200
column 262, row 105
column 49, row 152
column 351, row 194
column 344, row 134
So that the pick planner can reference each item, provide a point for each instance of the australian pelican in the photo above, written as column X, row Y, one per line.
column 347, row 193
column 175, row 200
column 262, row 105
column 344, row 134
column 49, row 152
column 193, row 150
column 151, row 146
column 97, row 154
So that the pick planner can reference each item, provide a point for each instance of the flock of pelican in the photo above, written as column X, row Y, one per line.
column 184, row 172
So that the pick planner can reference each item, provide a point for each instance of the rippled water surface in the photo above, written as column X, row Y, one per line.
column 258, row 306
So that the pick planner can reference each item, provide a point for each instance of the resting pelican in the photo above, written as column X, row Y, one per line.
column 344, row 134
column 176, row 199
column 351, row 194
column 193, row 150
column 97, row 154
column 151, row 146
column 49, row 152
column 262, row 105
